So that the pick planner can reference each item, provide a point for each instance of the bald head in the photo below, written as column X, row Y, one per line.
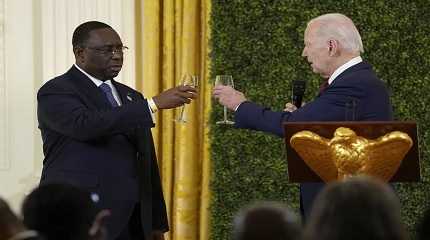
column 338, row 27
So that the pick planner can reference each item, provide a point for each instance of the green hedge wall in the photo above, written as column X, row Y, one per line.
column 260, row 42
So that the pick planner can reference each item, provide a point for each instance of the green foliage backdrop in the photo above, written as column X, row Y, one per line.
column 260, row 42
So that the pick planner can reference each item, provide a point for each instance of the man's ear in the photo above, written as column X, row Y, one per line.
column 333, row 47
column 98, row 229
column 79, row 54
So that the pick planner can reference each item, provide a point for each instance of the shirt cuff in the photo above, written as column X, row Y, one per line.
column 237, row 107
column 152, row 105
column 152, row 108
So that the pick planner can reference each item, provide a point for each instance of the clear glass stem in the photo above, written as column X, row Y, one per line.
column 181, row 114
column 225, row 114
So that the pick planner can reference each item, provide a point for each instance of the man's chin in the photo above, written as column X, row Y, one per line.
column 315, row 70
column 112, row 74
column 319, row 73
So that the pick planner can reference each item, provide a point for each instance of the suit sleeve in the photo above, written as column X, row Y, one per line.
column 332, row 106
column 63, row 111
column 253, row 116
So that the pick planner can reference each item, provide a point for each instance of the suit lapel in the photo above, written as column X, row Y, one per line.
column 124, row 95
column 88, row 89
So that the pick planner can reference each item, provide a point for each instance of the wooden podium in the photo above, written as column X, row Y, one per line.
column 300, row 172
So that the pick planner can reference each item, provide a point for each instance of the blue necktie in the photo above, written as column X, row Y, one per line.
column 108, row 92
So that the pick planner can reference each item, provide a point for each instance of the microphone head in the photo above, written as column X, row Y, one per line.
column 299, row 87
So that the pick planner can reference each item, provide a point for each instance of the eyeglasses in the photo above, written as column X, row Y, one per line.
column 110, row 51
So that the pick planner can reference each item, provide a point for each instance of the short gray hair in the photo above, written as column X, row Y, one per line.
column 341, row 28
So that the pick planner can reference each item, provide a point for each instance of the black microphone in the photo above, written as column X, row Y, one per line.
column 299, row 87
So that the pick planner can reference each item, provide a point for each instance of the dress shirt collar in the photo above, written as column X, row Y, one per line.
column 96, row 81
column 342, row 68
column 99, row 82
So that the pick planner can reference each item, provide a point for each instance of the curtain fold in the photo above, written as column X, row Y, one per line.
column 172, row 40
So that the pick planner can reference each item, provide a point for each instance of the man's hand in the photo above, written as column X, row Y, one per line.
column 289, row 107
column 175, row 97
column 228, row 97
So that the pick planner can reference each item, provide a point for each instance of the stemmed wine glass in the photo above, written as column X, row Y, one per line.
column 187, row 80
column 226, row 80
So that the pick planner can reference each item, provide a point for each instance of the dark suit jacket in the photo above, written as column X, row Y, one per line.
column 107, row 151
column 356, row 94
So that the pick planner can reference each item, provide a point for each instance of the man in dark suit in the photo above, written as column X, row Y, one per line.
column 97, row 134
column 352, row 91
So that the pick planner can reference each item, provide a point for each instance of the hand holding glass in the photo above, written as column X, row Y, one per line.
column 226, row 80
column 187, row 80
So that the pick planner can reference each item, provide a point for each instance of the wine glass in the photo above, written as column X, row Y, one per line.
column 187, row 80
column 226, row 80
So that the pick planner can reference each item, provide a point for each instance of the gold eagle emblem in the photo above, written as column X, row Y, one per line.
column 347, row 154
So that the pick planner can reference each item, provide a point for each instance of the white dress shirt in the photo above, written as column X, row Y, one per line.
column 342, row 68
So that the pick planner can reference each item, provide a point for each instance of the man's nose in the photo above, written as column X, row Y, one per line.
column 117, row 54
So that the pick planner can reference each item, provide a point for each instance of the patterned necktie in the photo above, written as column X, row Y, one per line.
column 323, row 86
column 108, row 92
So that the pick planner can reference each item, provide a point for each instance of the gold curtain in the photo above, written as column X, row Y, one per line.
column 172, row 38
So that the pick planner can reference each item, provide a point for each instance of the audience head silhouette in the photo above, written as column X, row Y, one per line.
column 355, row 209
column 59, row 211
column 9, row 222
column 266, row 221
column 11, row 226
